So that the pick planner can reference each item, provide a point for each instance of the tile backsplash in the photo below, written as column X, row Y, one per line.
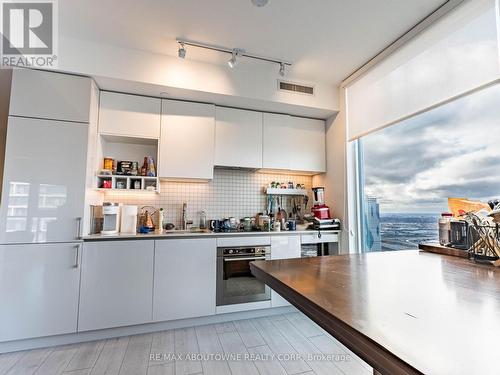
column 236, row 193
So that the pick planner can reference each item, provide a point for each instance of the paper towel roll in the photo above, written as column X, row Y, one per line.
column 128, row 219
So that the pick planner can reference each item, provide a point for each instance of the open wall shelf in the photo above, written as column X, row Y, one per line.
column 129, row 183
column 124, row 148
column 295, row 192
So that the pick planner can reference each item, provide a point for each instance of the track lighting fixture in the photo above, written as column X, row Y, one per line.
column 259, row 3
column 282, row 69
column 182, row 50
column 236, row 53
column 233, row 61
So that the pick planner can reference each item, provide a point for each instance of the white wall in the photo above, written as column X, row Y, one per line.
column 5, row 83
column 335, row 178
column 250, row 82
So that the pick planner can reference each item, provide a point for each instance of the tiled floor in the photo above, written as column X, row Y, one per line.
column 283, row 344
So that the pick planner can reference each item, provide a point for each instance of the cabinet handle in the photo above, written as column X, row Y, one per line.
column 238, row 259
column 79, row 228
column 77, row 256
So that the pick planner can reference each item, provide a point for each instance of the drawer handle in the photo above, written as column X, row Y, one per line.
column 79, row 228
column 249, row 258
column 77, row 256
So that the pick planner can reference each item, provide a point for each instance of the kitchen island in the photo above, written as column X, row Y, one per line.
column 403, row 312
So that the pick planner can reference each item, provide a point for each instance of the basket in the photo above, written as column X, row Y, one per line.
column 484, row 240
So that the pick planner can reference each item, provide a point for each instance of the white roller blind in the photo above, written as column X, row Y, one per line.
column 458, row 53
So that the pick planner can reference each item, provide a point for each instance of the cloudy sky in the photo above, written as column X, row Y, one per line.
column 451, row 151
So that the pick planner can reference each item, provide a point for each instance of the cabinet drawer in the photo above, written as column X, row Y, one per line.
column 244, row 241
column 314, row 239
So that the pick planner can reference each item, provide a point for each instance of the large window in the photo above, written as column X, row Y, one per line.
column 408, row 170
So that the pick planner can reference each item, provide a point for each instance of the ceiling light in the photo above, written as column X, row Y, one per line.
column 233, row 61
column 182, row 50
column 259, row 3
column 282, row 69
column 236, row 54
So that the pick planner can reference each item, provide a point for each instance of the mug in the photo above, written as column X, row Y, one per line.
column 214, row 225
column 247, row 224
column 226, row 225
column 276, row 226
column 291, row 225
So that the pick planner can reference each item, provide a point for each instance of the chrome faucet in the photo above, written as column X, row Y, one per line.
column 185, row 221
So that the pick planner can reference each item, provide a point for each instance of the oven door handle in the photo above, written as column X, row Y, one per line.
column 249, row 258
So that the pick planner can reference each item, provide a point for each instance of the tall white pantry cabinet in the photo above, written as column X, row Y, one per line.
column 51, row 118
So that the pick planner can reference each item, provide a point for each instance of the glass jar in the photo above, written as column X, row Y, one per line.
column 203, row 220
column 444, row 228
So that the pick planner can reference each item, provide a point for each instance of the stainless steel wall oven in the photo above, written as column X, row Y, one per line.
column 235, row 282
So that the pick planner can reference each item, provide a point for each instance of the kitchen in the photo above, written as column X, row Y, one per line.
column 153, row 229
column 186, row 191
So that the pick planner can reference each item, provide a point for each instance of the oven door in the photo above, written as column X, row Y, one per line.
column 235, row 282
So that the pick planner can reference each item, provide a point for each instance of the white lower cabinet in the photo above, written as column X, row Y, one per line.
column 117, row 284
column 283, row 247
column 38, row 290
column 184, row 278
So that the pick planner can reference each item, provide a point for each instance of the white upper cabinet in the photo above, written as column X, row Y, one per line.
column 277, row 141
column 48, row 95
column 238, row 138
column 187, row 140
column 129, row 115
column 294, row 143
column 308, row 145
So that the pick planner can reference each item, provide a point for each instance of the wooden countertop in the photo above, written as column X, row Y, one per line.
column 403, row 312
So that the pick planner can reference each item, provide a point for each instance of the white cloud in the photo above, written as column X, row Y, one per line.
column 453, row 150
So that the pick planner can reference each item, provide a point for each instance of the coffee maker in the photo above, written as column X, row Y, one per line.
column 111, row 215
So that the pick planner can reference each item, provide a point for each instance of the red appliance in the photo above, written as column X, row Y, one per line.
column 320, row 210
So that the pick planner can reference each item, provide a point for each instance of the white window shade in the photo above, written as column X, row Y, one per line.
column 458, row 53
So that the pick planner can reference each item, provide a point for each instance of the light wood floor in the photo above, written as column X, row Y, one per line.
column 299, row 346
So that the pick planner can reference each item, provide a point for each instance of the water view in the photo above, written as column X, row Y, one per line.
column 406, row 230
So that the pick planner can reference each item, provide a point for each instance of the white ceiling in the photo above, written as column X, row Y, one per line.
column 325, row 39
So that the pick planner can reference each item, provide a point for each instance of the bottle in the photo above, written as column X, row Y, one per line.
column 151, row 172
column 203, row 220
column 144, row 168
column 444, row 228
column 160, row 220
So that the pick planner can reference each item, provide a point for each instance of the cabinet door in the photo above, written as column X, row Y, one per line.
column 283, row 247
column 49, row 95
column 187, row 140
column 308, row 144
column 129, row 115
column 44, row 181
column 277, row 144
column 117, row 284
column 185, row 278
column 238, row 138
column 39, row 290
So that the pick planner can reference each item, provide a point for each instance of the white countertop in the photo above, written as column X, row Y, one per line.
column 182, row 234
